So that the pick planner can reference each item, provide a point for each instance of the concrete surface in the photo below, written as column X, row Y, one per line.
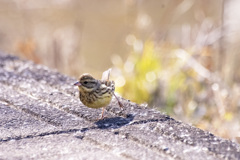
column 41, row 117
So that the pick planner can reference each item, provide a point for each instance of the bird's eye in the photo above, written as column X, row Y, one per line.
column 85, row 82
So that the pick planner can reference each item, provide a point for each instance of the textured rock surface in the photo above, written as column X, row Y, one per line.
column 41, row 117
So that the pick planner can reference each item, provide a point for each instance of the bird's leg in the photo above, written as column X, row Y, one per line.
column 119, row 103
column 102, row 114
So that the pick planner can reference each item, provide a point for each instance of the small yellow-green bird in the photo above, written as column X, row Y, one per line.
column 95, row 93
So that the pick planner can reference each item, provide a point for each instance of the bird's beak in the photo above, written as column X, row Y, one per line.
column 77, row 84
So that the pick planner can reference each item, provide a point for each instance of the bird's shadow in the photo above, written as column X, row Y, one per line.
column 115, row 122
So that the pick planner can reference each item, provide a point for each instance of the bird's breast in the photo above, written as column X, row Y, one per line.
column 95, row 99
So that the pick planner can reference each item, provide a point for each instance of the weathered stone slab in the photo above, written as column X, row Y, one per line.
column 15, row 124
column 41, row 117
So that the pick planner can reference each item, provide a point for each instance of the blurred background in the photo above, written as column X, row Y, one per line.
column 178, row 56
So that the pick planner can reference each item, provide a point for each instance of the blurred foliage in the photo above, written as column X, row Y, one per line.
column 151, row 74
column 141, row 72
column 173, row 80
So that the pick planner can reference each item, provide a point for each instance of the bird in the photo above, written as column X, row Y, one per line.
column 95, row 93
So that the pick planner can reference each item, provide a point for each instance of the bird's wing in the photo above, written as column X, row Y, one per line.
column 106, row 75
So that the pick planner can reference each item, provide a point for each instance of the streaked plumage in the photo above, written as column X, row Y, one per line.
column 95, row 93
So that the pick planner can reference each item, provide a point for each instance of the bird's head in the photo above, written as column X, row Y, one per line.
column 87, row 83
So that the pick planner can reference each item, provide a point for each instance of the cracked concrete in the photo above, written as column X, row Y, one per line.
column 41, row 117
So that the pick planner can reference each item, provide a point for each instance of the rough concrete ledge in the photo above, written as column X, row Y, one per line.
column 41, row 117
